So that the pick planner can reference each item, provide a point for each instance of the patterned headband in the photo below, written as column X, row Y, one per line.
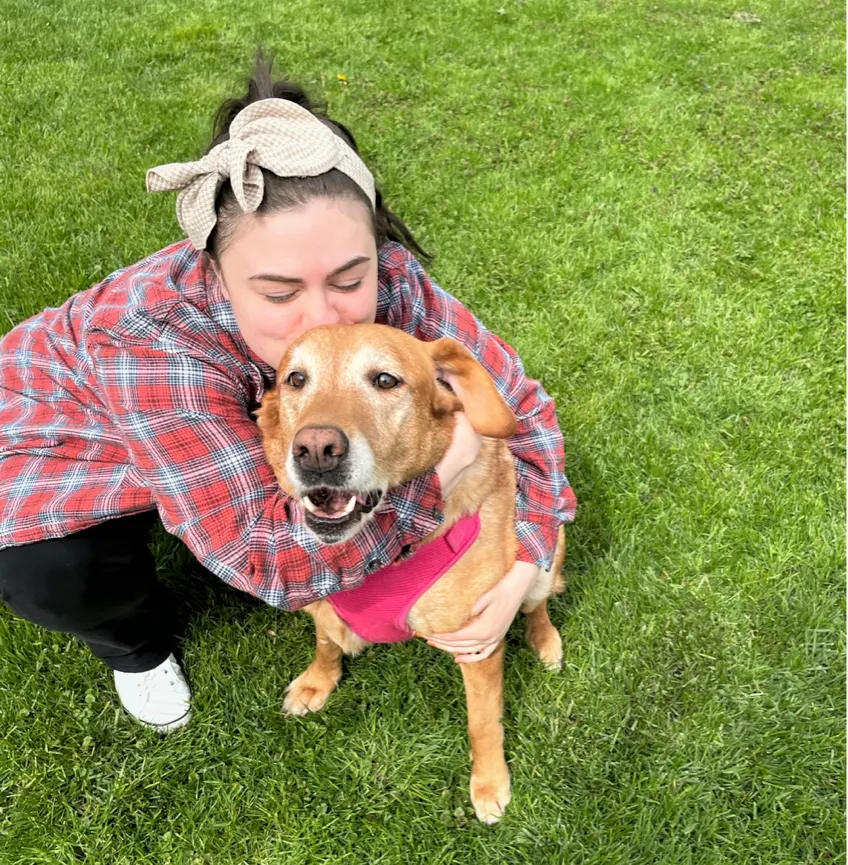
column 275, row 134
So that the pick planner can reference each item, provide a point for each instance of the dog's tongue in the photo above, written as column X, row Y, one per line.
column 335, row 502
column 330, row 503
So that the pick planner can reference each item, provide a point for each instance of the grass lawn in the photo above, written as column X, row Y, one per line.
column 647, row 201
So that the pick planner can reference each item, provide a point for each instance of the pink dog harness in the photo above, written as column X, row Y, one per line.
column 376, row 611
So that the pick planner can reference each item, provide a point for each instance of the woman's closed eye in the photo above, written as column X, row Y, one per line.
column 280, row 298
column 351, row 286
column 285, row 298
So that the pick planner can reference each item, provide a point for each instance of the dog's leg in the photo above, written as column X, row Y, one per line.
column 490, row 792
column 543, row 636
column 309, row 691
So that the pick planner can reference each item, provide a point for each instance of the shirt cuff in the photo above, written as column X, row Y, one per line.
column 536, row 543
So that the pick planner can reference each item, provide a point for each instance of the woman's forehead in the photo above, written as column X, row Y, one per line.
column 313, row 239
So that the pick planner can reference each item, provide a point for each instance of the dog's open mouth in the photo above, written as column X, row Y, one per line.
column 330, row 505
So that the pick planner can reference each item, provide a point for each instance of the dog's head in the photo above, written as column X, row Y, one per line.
column 359, row 409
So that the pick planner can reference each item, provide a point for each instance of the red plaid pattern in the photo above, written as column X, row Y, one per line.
column 137, row 394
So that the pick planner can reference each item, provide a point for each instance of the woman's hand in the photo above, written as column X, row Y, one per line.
column 493, row 612
column 463, row 450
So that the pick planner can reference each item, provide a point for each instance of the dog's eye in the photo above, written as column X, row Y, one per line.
column 384, row 381
column 296, row 380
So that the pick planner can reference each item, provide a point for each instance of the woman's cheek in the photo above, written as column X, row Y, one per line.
column 279, row 324
column 366, row 308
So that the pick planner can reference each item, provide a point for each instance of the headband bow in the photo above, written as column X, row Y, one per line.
column 275, row 134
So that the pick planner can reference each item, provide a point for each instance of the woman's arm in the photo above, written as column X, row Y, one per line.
column 544, row 499
column 184, row 419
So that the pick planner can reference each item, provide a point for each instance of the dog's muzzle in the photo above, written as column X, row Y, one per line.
column 331, row 499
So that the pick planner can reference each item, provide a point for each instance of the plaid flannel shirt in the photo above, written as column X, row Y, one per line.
column 137, row 394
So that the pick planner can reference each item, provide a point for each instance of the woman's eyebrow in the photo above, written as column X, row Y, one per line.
column 275, row 277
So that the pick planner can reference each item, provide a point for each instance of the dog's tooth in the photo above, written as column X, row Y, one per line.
column 307, row 503
column 350, row 505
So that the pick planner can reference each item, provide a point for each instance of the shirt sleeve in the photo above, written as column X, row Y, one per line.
column 185, row 421
column 544, row 499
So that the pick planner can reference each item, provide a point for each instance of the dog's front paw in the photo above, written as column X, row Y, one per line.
column 490, row 796
column 308, row 693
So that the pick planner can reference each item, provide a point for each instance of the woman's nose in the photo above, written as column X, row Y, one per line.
column 321, row 311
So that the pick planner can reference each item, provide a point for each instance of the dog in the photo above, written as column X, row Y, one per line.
column 358, row 410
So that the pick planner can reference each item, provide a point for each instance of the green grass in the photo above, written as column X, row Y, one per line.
column 647, row 200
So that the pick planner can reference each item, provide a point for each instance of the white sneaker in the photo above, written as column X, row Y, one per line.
column 159, row 698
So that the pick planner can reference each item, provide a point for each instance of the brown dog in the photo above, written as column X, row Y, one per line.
column 360, row 409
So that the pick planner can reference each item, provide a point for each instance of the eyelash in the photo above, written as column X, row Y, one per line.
column 285, row 298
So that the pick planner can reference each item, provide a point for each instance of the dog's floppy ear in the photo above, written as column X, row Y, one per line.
column 485, row 408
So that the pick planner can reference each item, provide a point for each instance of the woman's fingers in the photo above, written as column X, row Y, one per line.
column 483, row 602
column 465, row 646
column 471, row 652
column 476, row 656
column 474, row 631
column 476, row 642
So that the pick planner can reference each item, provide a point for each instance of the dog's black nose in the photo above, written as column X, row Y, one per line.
column 319, row 448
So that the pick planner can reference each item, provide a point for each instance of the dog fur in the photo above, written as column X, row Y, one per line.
column 329, row 379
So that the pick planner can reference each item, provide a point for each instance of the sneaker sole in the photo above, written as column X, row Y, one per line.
column 165, row 728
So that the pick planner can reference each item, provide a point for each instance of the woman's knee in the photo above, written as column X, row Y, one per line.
column 45, row 581
column 70, row 583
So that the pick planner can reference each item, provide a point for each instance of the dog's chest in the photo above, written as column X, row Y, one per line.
column 377, row 610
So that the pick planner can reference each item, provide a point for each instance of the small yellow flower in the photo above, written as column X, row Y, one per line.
column 342, row 78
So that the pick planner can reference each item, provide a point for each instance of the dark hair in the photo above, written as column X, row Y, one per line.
column 283, row 193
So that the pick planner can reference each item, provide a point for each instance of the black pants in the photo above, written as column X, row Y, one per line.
column 99, row 585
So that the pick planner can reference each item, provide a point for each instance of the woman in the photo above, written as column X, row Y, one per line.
column 134, row 400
